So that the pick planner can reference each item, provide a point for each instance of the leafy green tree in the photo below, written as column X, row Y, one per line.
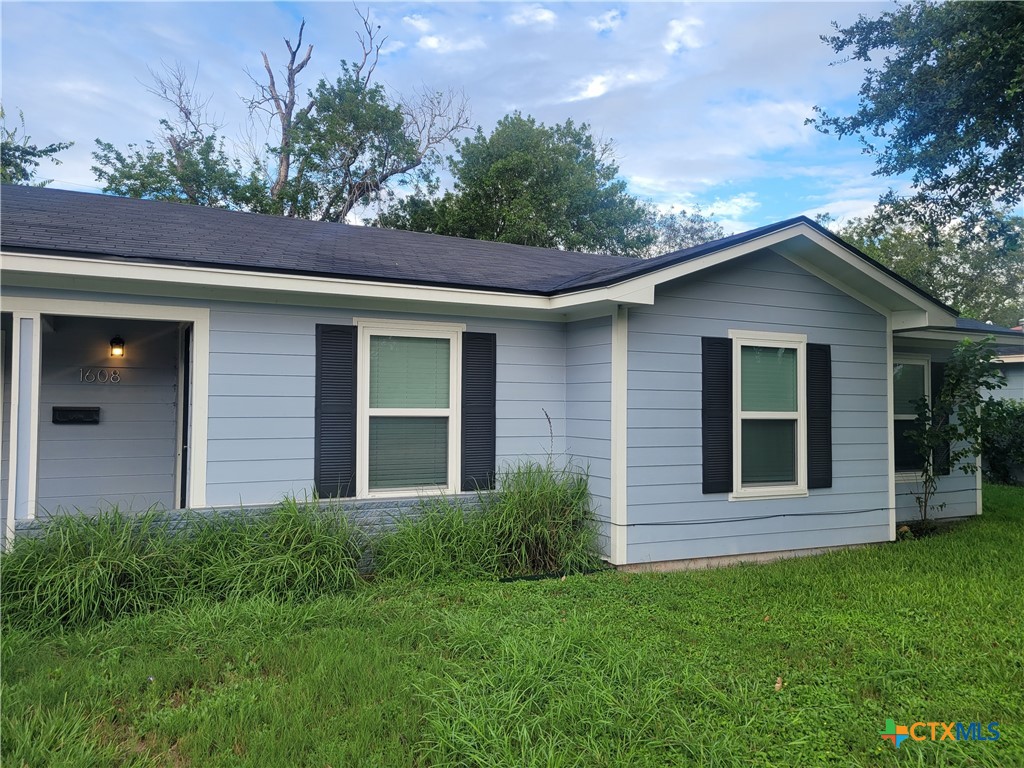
column 347, row 145
column 946, row 103
column 948, row 428
column 531, row 184
column 20, row 158
column 681, row 229
column 977, row 269
column 187, row 163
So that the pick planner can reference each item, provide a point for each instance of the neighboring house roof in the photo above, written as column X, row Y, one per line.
column 51, row 221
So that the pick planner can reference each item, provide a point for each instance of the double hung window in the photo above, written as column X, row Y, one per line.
column 408, row 408
column 769, row 433
column 911, row 381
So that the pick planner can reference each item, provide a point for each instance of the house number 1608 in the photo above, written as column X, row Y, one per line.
column 99, row 375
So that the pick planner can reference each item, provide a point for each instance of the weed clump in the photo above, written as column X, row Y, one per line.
column 83, row 569
column 539, row 520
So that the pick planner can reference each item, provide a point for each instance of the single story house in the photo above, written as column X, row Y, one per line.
column 745, row 396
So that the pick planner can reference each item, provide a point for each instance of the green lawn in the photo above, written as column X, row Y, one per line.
column 603, row 670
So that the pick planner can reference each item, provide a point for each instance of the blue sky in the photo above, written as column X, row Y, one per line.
column 705, row 102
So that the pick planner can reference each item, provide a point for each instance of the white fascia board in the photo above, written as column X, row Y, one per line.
column 260, row 281
column 327, row 289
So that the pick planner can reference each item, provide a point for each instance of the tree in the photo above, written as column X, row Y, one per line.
column 948, row 428
column 19, row 158
column 186, row 163
column 946, row 103
column 527, row 183
column 280, row 104
column 344, row 146
column 681, row 229
column 978, row 269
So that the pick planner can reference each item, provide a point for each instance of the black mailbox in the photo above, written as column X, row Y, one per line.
column 76, row 414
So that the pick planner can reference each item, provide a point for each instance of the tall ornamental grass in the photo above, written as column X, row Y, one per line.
column 83, row 569
column 539, row 520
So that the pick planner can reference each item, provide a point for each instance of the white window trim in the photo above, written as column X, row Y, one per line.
column 797, row 341
column 909, row 359
column 385, row 327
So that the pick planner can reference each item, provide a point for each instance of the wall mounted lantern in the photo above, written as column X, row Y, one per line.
column 117, row 347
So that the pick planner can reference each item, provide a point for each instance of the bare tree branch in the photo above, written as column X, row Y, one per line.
column 280, row 105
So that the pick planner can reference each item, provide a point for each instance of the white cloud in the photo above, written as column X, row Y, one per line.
column 441, row 44
column 733, row 207
column 682, row 33
column 418, row 23
column 533, row 15
column 391, row 46
column 608, row 21
column 598, row 85
column 745, row 129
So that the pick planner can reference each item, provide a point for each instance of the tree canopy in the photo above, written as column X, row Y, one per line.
column 946, row 103
column 550, row 186
column 340, row 148
column 977, row 269
column 20, row 158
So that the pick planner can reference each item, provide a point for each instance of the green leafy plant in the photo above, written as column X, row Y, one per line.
column 948, row 427
column 1002, row 440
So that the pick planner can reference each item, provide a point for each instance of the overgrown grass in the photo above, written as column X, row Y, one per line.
column 538, row 521
column 87, row 569
column 608, row 669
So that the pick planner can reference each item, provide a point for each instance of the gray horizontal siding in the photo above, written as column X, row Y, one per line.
column 588, row 371
column 262, row 395
column 670, row 517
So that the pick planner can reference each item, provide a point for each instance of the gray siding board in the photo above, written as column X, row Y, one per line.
column 588, row 409
column 245, row 450
column 258, row 364
column 259, row 470
column 664, row 431
column 245, row 385
column 739, row 543
column 851, row 495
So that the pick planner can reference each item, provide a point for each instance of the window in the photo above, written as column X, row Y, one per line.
column 769, row 432
column 407, row 408
column 911, row 380
column 403, row 408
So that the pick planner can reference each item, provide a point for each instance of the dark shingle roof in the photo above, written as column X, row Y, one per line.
column 101, row 226
column 967, row 324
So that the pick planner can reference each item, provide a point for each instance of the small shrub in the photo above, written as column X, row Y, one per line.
column 540, row 520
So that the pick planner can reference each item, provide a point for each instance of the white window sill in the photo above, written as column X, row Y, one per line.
column 760, row 494
column 909, row 477
column 407, row 493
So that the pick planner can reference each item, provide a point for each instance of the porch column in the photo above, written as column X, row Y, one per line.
column 25, row 356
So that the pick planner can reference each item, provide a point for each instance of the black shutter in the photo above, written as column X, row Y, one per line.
column 479, row 393
column 334, row 458
column 716, row 414
column 941, row 457
column 819, row 416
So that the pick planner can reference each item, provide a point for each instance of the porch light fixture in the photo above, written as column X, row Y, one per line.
column 117, row 347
